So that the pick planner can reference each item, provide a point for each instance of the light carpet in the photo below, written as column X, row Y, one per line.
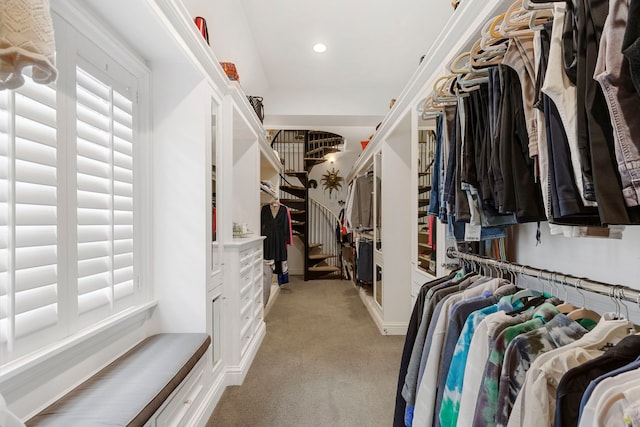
column 323, row 362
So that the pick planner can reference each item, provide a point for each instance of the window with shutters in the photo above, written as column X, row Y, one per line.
column 105, row 201
column 29, row 219
column 67, row 202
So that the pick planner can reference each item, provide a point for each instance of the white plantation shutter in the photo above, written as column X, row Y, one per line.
column 29, row 288
column 67, row 200
column 104, row 194
column 123, row 197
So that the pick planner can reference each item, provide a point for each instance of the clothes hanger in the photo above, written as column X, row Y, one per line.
column 565, row 307
column 583, row 313
column 518, row 21
column 481, row 58
column 472, row 80
column 547, row 1
column 533, row 302
column 488, row 43
column 430, row 109
column 454, row 66
column 537, row 24
column 621, row 299
column 531, row 5
column 442, row 85
column 525, row 293
column 494, row 28
column 442, row 89
column 468, row 79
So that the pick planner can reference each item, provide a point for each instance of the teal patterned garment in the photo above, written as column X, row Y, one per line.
column 523, row 350
column 453, row 387
column 487, row 404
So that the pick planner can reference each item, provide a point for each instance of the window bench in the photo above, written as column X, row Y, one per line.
column 130, row 390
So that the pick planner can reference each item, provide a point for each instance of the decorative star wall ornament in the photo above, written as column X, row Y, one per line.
column 332, row 181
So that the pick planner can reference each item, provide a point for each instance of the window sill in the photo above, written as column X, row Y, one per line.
column 32, row 364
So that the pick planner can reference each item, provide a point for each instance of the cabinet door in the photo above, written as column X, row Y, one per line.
column 216, row 250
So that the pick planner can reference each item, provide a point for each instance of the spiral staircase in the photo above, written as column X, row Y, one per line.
column 313, row 223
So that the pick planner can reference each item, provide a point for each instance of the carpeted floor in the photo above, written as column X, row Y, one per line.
column 322, row 363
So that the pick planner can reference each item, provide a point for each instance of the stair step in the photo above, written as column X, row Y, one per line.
column 323, row 150
column 314, row 245
column 294, row 203
column 423, row 189
column 298, row 215
column 294, row 190
column 310, row 162
column 425, row 246
column 324, row 269
column 303, row 176
column 422, row 214
column 423, row 202
column 328, row 140
column 424, row 173
column 321, row 256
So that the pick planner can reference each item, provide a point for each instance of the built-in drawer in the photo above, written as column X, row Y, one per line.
column 179, row 407
column 246, row 333
column 246, row 286
column 246, row 264
column 247, row 253
column 257, row 256
column 257, row 296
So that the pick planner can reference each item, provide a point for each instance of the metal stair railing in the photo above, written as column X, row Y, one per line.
column 322, row 230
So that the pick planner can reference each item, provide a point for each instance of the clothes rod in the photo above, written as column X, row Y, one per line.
column 616, row 292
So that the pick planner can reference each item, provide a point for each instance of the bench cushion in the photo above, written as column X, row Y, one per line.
column 132, row 388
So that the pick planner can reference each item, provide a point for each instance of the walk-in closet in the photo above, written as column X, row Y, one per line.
column 235, row 212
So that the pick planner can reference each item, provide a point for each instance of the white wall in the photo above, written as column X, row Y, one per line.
column 180, row 170
column 606, row 260
column 232, row 40
column 354, row 101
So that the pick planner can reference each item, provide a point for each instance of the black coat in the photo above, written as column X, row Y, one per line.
column 277, row 231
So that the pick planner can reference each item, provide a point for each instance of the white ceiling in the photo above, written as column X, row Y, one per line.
column 373, row 48
column 370, row 42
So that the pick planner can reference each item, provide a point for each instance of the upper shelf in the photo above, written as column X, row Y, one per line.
column 164, row 31
column 458, row 35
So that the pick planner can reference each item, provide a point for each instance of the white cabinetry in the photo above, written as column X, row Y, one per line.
column 199, row 117
column 243, row 286
column 396, row 142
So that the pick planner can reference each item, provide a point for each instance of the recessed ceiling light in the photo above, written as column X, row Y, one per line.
column 319, row 48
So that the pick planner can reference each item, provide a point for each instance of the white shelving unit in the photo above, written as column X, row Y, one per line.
column 396, row 140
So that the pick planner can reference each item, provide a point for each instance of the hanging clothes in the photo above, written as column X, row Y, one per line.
column 478, row 354
column 360, row 209
column 540, row 386
column 410, row 340
column 275, row 225
column 364, row 263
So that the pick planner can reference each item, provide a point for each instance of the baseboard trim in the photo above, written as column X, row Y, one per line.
column 275, row 291
column 385, row 328
column 237, row 373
